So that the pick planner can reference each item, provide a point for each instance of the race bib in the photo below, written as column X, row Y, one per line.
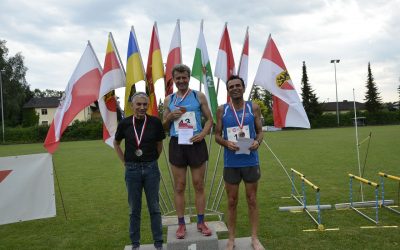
column 233, row 132
column 189, row 118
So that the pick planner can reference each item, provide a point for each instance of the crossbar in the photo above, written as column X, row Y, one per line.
column 396, row 178
column 364, row 180
column 316, row 188
column 297, row 172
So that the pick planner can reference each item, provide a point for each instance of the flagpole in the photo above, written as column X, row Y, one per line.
column 201, row 31
column 116, row 51
column 178, row 23
column 95, row 56
column 357, row 145
column 59, row 188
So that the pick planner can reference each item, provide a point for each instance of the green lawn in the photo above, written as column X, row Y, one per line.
column 92, row 184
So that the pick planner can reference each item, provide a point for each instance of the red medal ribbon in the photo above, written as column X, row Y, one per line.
column 139, row 139
column 237, row 118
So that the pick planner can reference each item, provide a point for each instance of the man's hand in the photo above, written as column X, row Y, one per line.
column 198, row 137
column 255, row 145
column 232, row 146
column 177, row 113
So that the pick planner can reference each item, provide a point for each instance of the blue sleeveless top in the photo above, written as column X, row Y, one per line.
column 232, row 160
column 192, row 104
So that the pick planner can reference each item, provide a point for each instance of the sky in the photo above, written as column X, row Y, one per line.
column 52, row 35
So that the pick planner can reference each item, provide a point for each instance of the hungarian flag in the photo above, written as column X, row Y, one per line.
column 174, row 58
column 201, row 70
column 244, row 59
column 272, row 74
column 134, row 70
column 26, row 188
column 82, row 90
column 154, row 71
column 225, row 66
column 113, row 78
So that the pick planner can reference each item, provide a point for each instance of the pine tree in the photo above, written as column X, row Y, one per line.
column 373, row 100
column 255, row 93
column 310, row 100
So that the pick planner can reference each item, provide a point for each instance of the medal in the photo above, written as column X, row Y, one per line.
column 176, row 103
column 241, row 133
column 139, row 152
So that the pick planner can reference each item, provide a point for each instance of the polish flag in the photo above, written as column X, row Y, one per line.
column 272, row 75
column 244, row 59
column 225, row 66
column 113, row 77
column 174, row 58
column 82, row 90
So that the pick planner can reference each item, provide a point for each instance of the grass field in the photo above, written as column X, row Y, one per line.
column 92, row 184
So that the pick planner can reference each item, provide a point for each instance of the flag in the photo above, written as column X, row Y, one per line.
column 26, row 188
column 134, row 70
column 82, row 90
column 272, row 74
column 244, row 59
column 154, row 71
column 113, row 77
column 108, row 111
column 201, row 70
column 225, row 66
column 174, row 58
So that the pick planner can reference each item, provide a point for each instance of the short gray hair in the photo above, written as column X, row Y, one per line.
column 137, row 95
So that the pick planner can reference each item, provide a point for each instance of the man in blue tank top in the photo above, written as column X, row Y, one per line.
column 182, row 118
column 238, row 125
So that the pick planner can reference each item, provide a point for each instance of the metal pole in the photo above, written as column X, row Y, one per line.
column 357, row 146
column 2, row 107
column 337, row 102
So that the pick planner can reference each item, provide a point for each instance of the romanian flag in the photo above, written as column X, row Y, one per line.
column 154, row 71
column 134, row 70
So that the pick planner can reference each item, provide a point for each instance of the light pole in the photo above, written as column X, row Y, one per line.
column 334, row 61
column 2, row 107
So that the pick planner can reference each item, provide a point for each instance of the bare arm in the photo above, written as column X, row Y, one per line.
column 118, row 150
column 218, row 132
column 258, row 127
column 169, row 116
column 159, row 147
column 205, row 110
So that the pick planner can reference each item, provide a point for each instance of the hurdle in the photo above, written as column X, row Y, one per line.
column 302, row 200
column 372, row 184
column 390, row 177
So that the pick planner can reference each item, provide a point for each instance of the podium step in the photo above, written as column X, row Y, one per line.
column 193, row 239
column 240, row 244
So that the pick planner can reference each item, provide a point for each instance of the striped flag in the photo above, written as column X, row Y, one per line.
column 113, row 78
column 201, row 70
column 244, row 59
column 154, row 71
column 174, row 57
column 134, row 70
column 272, row 74
column 82, row 90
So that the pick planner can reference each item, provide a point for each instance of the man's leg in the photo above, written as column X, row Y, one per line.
column 232, row 191
column 198, row 184
column 179, row 174
column 251, row 196
column 151, row 189
column 133, row 180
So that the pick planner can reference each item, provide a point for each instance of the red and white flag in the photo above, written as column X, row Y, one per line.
column 26, row 188
column 225, row 65
column 244, row 59
column 82, row 90
column 174, row 58
column 272, row 75
column 113, row 77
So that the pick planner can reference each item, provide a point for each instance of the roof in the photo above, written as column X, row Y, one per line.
column 344, row 106
column 43, row 102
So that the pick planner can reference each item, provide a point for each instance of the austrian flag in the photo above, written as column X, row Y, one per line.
column 273, row 76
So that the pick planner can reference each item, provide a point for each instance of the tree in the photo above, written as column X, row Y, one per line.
column 160, row 108
column 373, row 100
column 47, row 93
column 310, row 100
column 16, row 91
column 255, row 93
